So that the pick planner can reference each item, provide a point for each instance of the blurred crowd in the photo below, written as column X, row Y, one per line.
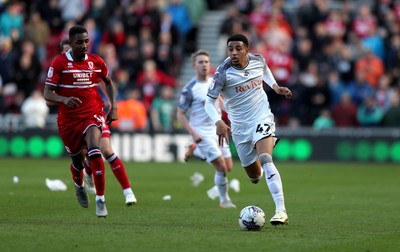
column 340, row 58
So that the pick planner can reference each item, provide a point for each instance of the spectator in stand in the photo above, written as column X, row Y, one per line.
column 181, row 19
column 318, row 98
column 324, row 120
column 383, row 92
column 12, row 19
column 393, row 57
column 364, row 21
column 375, row 43
column 336, row 86
column 38, row 31
column 94, row 34
column 335, row 25
column 235, row 22
column 7, row 55
column 114, row 34
column 344, row 113
column 99, row 12
column 132, row 114
column 27, row 69
column 73, row 9
column 165, row 55
column 303, row 53
column 359, row 88
column 345, row 63
column 150, row 81
column 128, row 55
column 109, row 54
column 392, row 116
column 162, row 110
column 369, row 114
column 123, row 83
column 147, row 51
column 35, row 110
column 51, row 13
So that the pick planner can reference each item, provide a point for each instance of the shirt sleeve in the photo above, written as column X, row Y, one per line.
column 54, row 72
column 217, row 83
column 267, row 74
column 211, row 109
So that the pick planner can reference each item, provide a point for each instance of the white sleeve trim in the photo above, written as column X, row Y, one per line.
column 269, row 78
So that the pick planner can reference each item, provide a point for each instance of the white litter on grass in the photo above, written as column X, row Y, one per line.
column 197, row 178
column 15, row 180
column 167, row 197
column 234, row 184
column 213, row 193
column 55, row 185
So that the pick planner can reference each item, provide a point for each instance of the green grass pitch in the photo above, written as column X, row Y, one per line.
column 331, row 207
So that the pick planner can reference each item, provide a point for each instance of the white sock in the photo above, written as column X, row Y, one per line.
column 127, row 191
column 221, row 181
column 274, row 182
column 100, row 197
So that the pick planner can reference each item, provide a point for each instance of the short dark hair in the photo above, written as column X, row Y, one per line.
column 63, row 42
column 238, row 37
column 77, row 29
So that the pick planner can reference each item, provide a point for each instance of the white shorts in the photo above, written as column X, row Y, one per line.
column 211, row 150
column 245, row 139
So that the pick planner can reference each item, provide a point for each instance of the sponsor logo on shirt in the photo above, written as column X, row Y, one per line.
column 248, row 86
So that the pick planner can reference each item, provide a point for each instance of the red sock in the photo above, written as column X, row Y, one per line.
column 119, row 171
column 77, row 175
column 97, row 164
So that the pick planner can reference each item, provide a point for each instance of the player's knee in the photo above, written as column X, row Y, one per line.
column 255, row 180
column 265, row 158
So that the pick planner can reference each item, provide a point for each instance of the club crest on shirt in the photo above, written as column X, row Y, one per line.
column 50, row 72
column 90, row 64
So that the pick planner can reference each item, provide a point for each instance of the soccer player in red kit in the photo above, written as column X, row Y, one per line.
column 116, row 164
column 72, row 82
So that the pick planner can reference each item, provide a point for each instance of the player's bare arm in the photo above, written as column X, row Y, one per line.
column 282, row 91
column 180, row 115
column 103, row 89
column 111, row 93
column 223, row 132
column 51, row 96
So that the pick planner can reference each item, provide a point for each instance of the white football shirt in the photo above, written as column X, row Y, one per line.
column 242, row 89
column 193, row 97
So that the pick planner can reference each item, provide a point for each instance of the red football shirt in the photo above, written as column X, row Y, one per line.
column 81, row 80
column 78, row 79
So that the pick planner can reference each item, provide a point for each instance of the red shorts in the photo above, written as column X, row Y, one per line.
column 72, row 132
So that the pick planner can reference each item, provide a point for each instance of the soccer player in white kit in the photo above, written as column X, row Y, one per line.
column 239, row 80
column 202, row 129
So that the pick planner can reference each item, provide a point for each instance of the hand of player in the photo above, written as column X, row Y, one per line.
column 223, row 132
column 112, row 115
column 284, row 91
column 72, row 102
column 196, row 138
